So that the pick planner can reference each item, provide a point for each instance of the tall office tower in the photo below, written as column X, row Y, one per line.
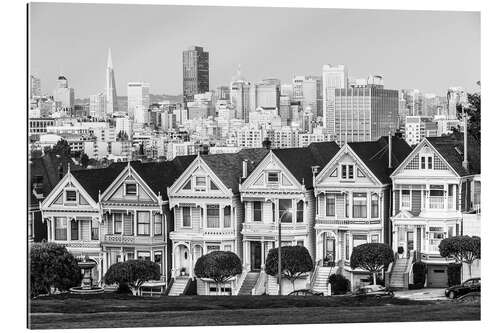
column 111, row 100
column 64, row 95
column 222, row 93
column 97, row 106
column 455, row 96
column 285, row 109
column 310, row 96
column 195, row 72
column 287, row 89
column 319, row 93
column 138, row 101
column 265, row 94
column 240, row 96
column 362, row 113
column 333, row 77
column 35, row 86
column 412, row 102
column 297, row 92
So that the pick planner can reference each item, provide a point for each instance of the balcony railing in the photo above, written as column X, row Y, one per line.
column 436, row 202
column 80, row 243
column 273, row 227
column 121, row 239
column 218, row 232
column 346, row 221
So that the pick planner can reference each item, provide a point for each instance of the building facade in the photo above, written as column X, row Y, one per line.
column 195, row 70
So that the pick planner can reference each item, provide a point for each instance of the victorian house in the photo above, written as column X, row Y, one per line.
column 280, row 188
column 436, row 194
column 72, row 215
column 208, row 215
column 353, row 196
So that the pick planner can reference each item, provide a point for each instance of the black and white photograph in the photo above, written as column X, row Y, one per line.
column 211, row 165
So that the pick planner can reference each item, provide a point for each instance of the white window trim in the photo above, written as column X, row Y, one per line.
column 278, row 182
column 347, row 172
column 125, row 189
column 190, row 217
column 76, row 196
column 199, row 188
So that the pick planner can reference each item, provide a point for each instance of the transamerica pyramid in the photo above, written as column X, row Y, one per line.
column 111, row 101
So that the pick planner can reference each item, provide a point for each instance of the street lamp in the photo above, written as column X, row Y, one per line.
column 288, row 211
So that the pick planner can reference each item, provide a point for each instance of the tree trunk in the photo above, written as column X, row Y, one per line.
column 374, row 278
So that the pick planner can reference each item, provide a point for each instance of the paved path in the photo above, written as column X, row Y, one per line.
column 427, row 294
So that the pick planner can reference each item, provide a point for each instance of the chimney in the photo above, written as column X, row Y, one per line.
column 465, row 163
column 245, row 169
column 389, row 137
column 314, row 169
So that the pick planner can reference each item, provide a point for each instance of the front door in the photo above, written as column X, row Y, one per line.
column 255, row 256
column 409, row 242
column 329, row 246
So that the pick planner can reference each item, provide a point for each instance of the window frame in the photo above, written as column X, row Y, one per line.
column 156, row 223
column 356, row 206
column 126, row 192
column 184, row 215
column 213, row 218
column 299, row 212
column 93, row 228
column 334, row 199
column 66, row 200
column 375, row 198
column 227, row 217
column 269, row 182
column 139, row 223
column 347, row 172
column 121, row 223
column 65, row 228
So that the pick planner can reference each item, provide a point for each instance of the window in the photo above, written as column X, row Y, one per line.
column 227, row 247
column 284, row 206
column 300, row 211
column 186, row 217
column 422, row 162
column 347, row 205
column 257, row 211
column 358, row 240
column 426, row 162
column 213, row 247
column 360, row 174
column 70, row 196
column 347, row 247
column 130, row 189
column 201, row 181
column 94, row 230
column 143, row 220
column 158, row 224
column 375, row 210
column 436, row 196
column 272, row 178
column 405, row 199
column 213, row 187
column 375, row 238
column 118, row 222
column 359, row 205
column 334, row 173
column 74, row 230
column 227, row 217
column 330, row 205
column 213, row 220
column 61, row 232
column 429, row 162
column 143, row 255
column 347, row 171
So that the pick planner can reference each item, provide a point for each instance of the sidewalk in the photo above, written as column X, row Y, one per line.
column 422, row 294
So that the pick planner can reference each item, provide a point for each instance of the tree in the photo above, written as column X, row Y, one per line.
column 372, row 257
column 62, row 148
column 473, row 110
column 52, row 267
column 132, row 273
column 219, row 266
column 464, row 249
column 84, row 160
column 295, row 262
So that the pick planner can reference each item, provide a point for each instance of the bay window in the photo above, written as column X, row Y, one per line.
column 143, row 223
column 94, row 230
column 257, row 211
column 186, row 217
column 74, row 229
column 61, row 228
column 359, row 205
column 158, row 224
column 117, row 222
column 436, row 196
column 330, row 205
column 213, row 220
column 227, row 217
column 300, row 211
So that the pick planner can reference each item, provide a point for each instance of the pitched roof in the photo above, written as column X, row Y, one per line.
column 375, row 155
column 451, row 147
column 95, row 180
column 300, row 160
column 229, row 167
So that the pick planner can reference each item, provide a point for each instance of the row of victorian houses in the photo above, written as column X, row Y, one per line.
column 339, row 197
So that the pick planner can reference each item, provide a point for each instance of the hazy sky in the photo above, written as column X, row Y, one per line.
column 426, row 50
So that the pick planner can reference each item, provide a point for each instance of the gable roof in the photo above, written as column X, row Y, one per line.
column 95, row 180
column 300, row 160
column 229, row 167
column 375, row 155
column 451, row 148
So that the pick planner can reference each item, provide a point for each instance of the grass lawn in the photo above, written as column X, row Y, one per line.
column 111, row 310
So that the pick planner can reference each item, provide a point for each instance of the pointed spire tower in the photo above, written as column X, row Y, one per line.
column 111, row 101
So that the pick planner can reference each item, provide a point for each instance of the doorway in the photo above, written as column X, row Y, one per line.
column 255, row 256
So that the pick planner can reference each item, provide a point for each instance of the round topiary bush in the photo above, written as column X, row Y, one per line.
column 339, row 284
column 419, row 273
column 454, row 274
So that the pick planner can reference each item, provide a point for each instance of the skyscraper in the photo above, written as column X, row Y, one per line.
column 111, row 100
column 240, row 96
column 334, row 77
column 63, row 94
column 265, row 94
column 35, row 86
column 138, row 101
column 97, row 106
column 195, row 72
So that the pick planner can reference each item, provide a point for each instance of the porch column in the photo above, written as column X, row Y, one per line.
column 172, row 270
column 262, row 255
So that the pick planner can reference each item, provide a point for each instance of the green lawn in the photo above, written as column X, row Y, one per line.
column 110, row 310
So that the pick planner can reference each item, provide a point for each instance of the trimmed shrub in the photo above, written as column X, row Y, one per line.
column 372, row 257
column 419, row 274
column 454, row 274
column 132, row 273
column 219, row 266
column 295, row 262
column 339, row 284
column 52, row 267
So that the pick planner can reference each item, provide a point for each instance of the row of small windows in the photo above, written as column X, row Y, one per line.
column 213, row 216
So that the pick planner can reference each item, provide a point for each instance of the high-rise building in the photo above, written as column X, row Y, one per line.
column 319, row 93
column 333, row 77
column 419, row 127
column 361, row 113
column 138, row 101
column 455, row 96
column 240, row 96
column 310, row 96
column 111, row 100
column 64, row 95
column 265, row 94
column 297, row 90
column 412, row 102
column 97, row 106
column 195, row 72
column 223, row 93
column 35, row 86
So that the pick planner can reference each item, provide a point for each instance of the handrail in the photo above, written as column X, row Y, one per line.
column 260, row 281
column 240, row 281
column 313, row 276
column 409, row 265
column 169, row 285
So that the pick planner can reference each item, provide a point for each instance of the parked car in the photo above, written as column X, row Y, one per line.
column 304, row 292
column 374, row 290
column 465, row 287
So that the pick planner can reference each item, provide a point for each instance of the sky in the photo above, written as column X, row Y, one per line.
column 425, row 50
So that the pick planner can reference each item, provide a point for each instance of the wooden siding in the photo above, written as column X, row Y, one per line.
column 396, row 202
column 416, row 202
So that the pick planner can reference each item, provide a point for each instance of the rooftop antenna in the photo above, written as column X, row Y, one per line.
column 465, row 163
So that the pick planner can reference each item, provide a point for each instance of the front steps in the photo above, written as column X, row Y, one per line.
column 320, row 283
column 396, row 280
column 249, row 283
column 178, row 286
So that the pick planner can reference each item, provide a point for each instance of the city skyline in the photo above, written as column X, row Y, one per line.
column 434, row 51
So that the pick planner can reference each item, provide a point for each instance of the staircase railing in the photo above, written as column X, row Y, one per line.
column 388, row 274
column 260, row 284
column 240, row 281
column 190, row 288
column 169, row 285
column 409, row 265
column 313, row 276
